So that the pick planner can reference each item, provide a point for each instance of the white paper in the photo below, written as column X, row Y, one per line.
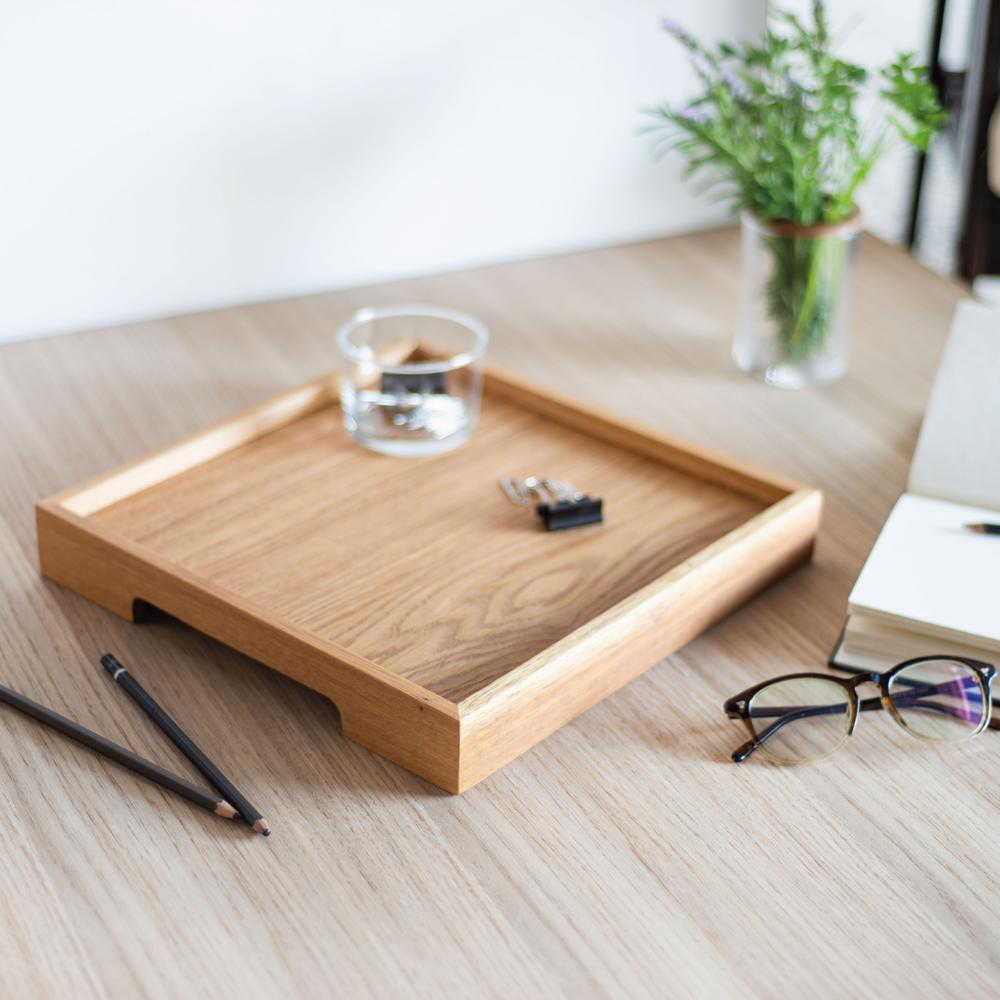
column 958, row 453
column 928, row 571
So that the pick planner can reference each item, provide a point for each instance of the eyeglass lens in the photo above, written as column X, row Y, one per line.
column 942, row 700
column 801, row 718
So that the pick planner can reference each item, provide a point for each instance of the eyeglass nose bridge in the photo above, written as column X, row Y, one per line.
column 858, row 679
column 858, row 704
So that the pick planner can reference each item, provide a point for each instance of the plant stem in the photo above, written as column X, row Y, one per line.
column 802, row 292
column 808, row 306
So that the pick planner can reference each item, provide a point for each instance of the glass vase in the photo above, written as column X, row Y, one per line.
column 795, row 296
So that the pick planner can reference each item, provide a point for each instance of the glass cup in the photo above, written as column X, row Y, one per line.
column 412, row 378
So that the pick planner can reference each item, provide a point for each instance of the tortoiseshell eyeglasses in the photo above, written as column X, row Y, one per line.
column 801, row 717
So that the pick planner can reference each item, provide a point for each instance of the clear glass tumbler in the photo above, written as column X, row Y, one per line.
column 412, row 378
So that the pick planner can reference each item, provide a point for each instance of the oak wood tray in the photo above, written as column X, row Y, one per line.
column 450, row 630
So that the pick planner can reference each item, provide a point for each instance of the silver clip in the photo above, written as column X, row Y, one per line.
column 563, row 492
column 542, row 488
column 516, row 491
column 559, row 503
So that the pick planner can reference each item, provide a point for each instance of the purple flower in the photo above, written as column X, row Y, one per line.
column 675, row 28
column 700, row 64
column 734, row 83
column 692, row 113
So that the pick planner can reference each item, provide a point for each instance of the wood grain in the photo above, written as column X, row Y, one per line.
column 322, row 560
column 423, row 566
column 624, row 856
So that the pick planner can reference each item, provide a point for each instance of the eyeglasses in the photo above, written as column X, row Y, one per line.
column 803, row 717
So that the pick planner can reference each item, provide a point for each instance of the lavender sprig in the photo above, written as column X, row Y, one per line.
column 776, row 120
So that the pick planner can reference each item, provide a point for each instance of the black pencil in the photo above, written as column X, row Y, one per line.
column 985, row 529
column 185, row 744
column 199, row 796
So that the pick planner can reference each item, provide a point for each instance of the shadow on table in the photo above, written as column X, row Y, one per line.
column 262, row 729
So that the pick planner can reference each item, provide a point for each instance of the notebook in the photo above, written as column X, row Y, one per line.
column 929, row 585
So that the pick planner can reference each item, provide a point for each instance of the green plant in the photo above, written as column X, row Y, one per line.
column 777, row 130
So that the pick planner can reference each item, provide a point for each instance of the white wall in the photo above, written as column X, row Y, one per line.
column 164, row 156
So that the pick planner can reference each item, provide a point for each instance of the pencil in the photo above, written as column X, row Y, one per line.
column 984, row 529
column 155, row 773
column 186, row 745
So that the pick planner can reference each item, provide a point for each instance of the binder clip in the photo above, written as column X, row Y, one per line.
column 560, row 505
column 410, row 383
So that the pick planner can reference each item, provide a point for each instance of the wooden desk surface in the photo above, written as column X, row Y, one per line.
column 625, row 856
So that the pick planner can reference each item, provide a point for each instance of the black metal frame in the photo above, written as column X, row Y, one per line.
column 739, row 706
column 979, row 248
column 936, row 75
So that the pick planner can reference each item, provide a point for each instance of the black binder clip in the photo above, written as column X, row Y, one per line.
column 559, row 505
column 409, row 383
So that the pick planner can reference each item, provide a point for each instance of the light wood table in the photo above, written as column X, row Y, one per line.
column 624, row 856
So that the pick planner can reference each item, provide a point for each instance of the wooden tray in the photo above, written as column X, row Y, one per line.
column 450, row 630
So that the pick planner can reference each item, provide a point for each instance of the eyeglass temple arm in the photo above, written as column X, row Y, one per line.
column 912, row 699
column 787, row 714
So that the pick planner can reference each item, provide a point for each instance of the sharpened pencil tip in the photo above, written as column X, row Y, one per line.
column 261, row 827
column 225, row 810
column 980, row 529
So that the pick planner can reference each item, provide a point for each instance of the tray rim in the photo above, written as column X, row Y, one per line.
column 556, row 664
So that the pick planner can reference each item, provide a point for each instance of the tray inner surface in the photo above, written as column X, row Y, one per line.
column 422, row 565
